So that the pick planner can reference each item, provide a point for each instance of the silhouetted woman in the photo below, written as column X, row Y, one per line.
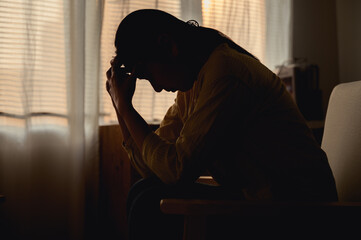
column 232, row 117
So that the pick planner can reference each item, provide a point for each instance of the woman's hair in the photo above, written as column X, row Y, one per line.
column 136, row 36
column 219, row 37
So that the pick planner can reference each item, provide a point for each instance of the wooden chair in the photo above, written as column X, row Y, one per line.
column 342, row 143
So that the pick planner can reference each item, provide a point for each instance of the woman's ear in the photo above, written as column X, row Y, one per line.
column 167, row 45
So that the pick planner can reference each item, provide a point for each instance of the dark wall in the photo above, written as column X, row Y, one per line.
column 315, row 38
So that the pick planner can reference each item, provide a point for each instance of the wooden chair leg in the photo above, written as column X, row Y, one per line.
column 194, row 227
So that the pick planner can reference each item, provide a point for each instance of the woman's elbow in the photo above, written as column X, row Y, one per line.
column 178, row 178
column 169, row 179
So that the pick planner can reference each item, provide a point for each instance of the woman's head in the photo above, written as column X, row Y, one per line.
column 139, row 35
column 164, row 49
column 153, row 42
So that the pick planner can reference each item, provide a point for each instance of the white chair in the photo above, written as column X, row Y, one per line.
column 342, row 139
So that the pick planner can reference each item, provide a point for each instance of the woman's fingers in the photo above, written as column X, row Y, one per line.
column 107, row 86
column 109, row 73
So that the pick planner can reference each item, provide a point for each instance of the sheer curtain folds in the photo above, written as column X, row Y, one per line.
column 53, row 59
column 49, row 75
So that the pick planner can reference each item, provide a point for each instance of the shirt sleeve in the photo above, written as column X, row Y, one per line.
column 182, row 161
column 136, row 158
column 172, row 123
column 169, row 129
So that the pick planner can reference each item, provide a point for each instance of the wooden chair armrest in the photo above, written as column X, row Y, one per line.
column 238, row 207
column 207, row 180
column 196, row 211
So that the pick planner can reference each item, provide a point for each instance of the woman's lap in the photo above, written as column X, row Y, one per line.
column 144, row 216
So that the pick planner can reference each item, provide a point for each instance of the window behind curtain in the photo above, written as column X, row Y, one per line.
column 33, row 60
column 247, row 22
column 243, row 21
column 32, row 63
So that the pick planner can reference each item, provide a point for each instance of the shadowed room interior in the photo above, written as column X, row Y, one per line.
column 63, row 171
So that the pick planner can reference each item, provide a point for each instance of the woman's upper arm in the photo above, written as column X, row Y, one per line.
column 172, row 123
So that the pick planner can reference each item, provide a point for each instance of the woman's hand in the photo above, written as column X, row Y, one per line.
column 120, row 86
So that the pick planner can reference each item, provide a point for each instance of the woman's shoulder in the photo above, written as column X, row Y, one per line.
column 226, row 63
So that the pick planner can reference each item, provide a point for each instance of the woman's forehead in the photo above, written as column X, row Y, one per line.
column 120, row 61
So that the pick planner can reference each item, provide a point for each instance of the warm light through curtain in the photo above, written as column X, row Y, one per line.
column 40, row 25
column 279, row 32
column 49, row 58
column 243, row 21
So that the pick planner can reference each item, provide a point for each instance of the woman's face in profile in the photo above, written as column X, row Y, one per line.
column 170, row 77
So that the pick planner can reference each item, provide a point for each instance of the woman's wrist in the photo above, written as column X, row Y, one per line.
column 125, row 108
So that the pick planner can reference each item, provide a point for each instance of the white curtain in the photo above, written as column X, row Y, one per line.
column 49, row 75
column 278, row 34
column 53, row 58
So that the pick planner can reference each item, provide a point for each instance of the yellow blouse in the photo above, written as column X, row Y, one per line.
column 240, row 124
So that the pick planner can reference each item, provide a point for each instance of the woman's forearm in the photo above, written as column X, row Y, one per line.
column 135, row 126
column 123, row 128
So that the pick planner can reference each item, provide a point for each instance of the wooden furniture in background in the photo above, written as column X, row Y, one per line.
column 116, row 177
column 317, row 127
